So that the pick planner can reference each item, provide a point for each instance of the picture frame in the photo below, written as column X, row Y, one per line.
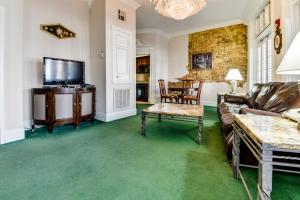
column 202, row 61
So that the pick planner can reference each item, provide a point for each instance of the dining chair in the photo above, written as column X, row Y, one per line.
column 191, row 98
column 164, row 95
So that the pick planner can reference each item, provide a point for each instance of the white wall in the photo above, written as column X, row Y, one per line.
column 280, row 10
column 98, row 64
column 11, row 98
column 178, row 62
column 178, row 57
column 37, row 44
column 112, row 7
column 156, row 44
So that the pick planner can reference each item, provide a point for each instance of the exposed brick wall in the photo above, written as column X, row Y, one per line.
column 229, row 47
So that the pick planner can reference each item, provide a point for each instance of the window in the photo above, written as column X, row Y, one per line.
column 264, row 60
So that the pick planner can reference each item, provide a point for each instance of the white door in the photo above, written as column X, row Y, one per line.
column 122, row 55
column 2, row 22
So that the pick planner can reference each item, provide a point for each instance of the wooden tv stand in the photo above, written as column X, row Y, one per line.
column 52, row 106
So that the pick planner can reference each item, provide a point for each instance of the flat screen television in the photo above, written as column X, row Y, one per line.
column 63, row 72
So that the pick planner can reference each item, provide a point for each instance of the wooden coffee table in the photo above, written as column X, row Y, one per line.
column 274, row 141
column 177, row 112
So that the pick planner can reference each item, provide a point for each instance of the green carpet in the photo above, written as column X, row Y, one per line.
column 113, row 161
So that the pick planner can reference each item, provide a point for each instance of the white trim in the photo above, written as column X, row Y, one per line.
column 115, row 77
column 193, row 30
column 209, row 27
column 108, row 117
column 209, row 103
column 153, row 30
column 2, row 43
column 100, row 116
column 132, row 3
column 12, row 136
column 152, row 87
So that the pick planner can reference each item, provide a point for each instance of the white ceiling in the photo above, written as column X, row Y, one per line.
column 216, row 12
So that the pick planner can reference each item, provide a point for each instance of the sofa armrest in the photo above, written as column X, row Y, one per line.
column 229, row 98
column 245, row 111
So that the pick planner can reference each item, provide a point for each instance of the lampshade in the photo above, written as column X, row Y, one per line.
column 291, row 61
column 234, row 75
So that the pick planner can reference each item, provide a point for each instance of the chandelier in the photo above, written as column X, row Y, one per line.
column 178, row 9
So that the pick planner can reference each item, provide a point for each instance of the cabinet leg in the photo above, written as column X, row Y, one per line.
column 50, row 129
column 33, row 128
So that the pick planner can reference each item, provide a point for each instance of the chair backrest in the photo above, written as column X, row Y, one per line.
column 199, row 92
column 162, row 87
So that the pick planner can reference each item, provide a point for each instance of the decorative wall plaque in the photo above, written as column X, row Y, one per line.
column 278, row 37
column 58, row 30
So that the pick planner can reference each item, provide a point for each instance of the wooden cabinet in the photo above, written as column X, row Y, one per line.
column 143, row 64
column 59, row 106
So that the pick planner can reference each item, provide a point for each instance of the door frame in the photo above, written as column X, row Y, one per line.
column 2, row 45
column 152, row 86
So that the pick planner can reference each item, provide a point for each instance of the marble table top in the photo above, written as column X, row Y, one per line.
column 272, row 132
column 176, row 109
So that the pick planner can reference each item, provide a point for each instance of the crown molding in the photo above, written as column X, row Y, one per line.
column 132, row 3
column 153, row 30
column 194, row 30
column 205, row 28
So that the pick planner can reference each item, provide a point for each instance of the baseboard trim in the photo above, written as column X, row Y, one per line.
column 12, row 136
column 108, row 117
column 209, row 103
column 100, row 116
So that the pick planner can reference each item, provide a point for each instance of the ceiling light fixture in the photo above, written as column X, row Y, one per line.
column 178, row 9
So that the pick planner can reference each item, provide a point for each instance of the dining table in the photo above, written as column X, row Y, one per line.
column 186, row 87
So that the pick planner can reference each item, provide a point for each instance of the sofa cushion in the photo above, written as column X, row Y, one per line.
column 286, row 97
column 252, row 94
column 266, row 92
column 234, row 108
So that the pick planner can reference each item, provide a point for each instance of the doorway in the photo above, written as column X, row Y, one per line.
column 143, row 78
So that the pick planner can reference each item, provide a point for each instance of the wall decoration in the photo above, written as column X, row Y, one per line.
column 201, row 61
column 228, row 46
column 58, row 30
column 278, row 37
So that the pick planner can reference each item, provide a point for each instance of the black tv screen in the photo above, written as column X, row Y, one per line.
column 60, row 71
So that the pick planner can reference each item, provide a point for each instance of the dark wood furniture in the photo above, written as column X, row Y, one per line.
column 176, row 112
column 59, row 106
column 164, row 96
column 190, row 98
column 143, row 64
column 142, row 92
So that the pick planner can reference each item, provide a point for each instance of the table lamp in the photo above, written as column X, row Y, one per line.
column 234, row 76
column 290, row 65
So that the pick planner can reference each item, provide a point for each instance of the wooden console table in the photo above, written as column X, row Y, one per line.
column 274, row 141
column 59, row 106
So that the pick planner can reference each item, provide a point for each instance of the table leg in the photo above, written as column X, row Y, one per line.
column 200, row 129
column 236, row 154
column 143, row 125
column 265, row 176
column 159, row 117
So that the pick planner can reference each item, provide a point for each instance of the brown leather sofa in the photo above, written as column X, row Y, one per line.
column 263, row 99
